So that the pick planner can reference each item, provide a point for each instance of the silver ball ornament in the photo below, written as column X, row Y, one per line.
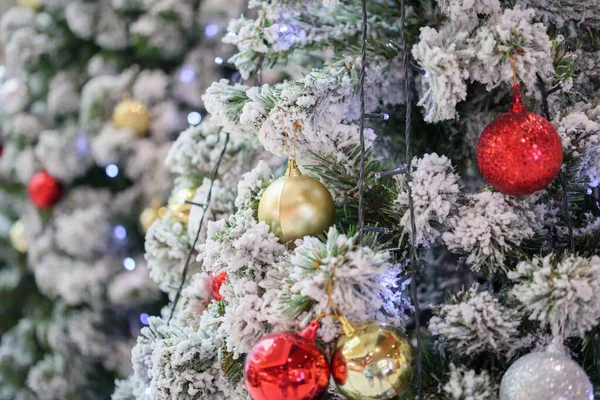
column 548, row 375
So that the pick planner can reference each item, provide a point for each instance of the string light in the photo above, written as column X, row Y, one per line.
column 112, row 170
column 211, row 30
column 213, row 177
column 119, row 232
column 83, row 145
column 407, row 170
column 144, row 318
column 219, row 60
column 284, row 28
column 187, row 74
column 194, row 118
column 129, row 264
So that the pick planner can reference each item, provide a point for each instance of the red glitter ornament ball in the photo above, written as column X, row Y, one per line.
column 519, row 152
column 44, row 191
column 215, row 285
column 287, row 366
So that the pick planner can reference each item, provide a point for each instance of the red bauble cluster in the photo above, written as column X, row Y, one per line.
column 519, row 152
column 44, row 190
column 215, row 285
column 287, row 366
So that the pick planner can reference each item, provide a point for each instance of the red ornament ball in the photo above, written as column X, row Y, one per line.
column 44, row 190
column 287, row 366
column 215, row 285
column 519, row 152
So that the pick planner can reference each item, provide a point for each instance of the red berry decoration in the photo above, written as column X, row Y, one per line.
column 44, row 191
column 215, row 285
column 287, row 366
column 519, row 152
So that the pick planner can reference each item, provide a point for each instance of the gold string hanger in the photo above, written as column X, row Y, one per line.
column 513, row 65
column 347, row 327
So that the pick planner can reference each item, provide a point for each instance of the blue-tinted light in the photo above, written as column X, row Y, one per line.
column 144, row 318
column 83, row 145
column 211, row 30
column 129, row 264
column 187, row 74
column 112, row 170
column 120, row 232
column 194, row 118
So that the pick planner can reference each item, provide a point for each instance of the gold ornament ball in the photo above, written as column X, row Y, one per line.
column 32, row 4
column 177, row 204
column 151, row 214
column 373, row 364
column 295, row 206
column 132, row 114
column 18, row 238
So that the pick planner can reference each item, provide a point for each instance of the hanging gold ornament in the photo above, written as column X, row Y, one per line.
column 32, row 4
column 295, row 206
column 132, row 114
column 372, row 362
column 17, row 236
column 151, row 214
column 178, row 206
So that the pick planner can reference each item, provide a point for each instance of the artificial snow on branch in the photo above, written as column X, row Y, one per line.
column 474, row 322
column 323, row 103
column 435, row 191
column 488, row 226
column 560, row 291
column 478, row 51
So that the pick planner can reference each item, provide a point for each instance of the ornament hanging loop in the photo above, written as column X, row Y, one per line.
column 347, row 327
column 292, row 169
column 513, row 66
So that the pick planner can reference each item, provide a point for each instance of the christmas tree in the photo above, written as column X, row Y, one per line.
column 431, row 283
column 92, row 94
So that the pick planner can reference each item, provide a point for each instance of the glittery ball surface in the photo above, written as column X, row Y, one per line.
column 287, row 366
column 519, row 152
column 546, row 376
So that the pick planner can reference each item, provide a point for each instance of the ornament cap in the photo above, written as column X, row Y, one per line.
column 292, row 169
column 347, row 327
column 517, row 105
column 557, row 346
column 310, row 332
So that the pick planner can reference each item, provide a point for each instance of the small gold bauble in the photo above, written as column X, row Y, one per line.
column 151, row 214
column 177, row 204
column 18, row 238
column 132, row 114
column 295, row 206
column 32, row 4
column 373, row 364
